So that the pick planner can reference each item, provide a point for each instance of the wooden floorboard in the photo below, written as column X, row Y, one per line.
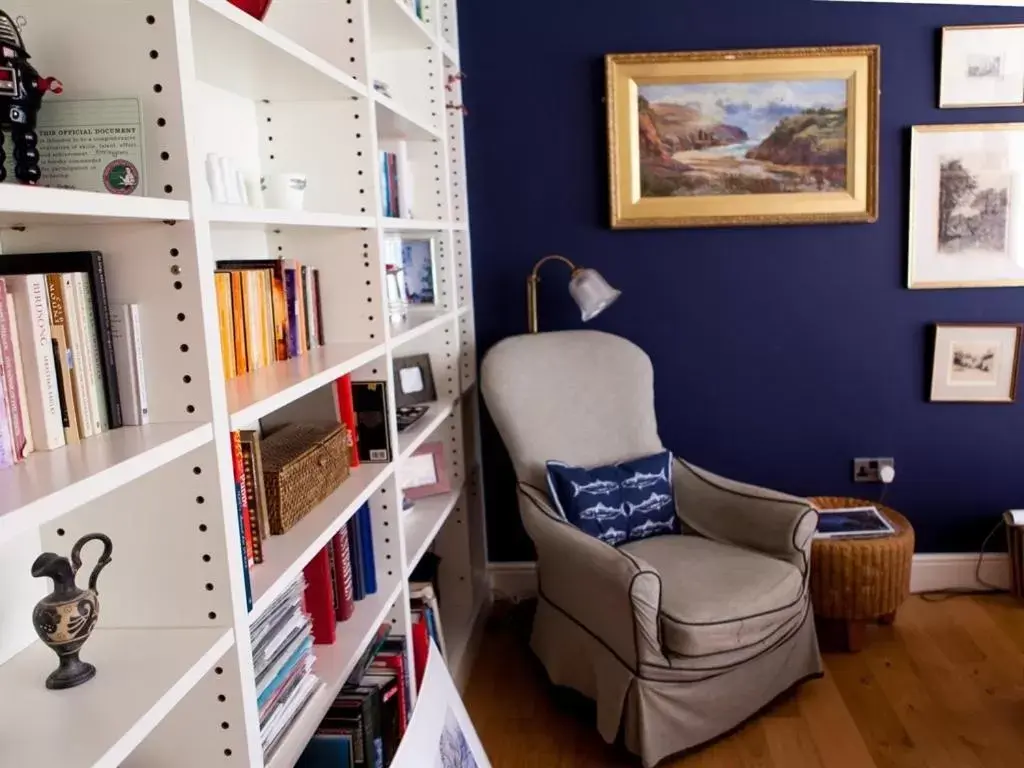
column 942, row 688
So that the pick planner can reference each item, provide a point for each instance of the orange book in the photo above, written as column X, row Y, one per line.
column 251, row 320
column 238, row 322
column 280, row 314
column 222, row 281
column 266, row 280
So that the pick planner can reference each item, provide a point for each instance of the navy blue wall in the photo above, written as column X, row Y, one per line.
column 780, row 353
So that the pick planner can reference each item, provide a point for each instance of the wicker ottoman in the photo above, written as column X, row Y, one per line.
column 857, row 581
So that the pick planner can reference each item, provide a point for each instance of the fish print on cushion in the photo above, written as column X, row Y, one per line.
column 617, row 503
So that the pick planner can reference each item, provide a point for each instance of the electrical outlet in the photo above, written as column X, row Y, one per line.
column 867, row 470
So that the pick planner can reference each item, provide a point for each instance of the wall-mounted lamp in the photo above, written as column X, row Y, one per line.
column 588, row 289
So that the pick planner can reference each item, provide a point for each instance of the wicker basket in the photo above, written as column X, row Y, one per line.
column 302, row 465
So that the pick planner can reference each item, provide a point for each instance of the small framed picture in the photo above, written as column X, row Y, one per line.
column 418, row 265
column 414, row 381
column 424, row 472
column 982, row 66
column 966, row 226
column 976, row 363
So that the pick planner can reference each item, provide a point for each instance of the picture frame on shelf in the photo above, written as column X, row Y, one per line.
column 414, row 381
column 976, row 362
column 745, row 137
column 418, row 268
column 424, row 473
column 982, row 66
column 965, row 231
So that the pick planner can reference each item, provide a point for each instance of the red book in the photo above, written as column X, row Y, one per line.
column 320, row 598
column 420, row 648
column 343, row 575
column 236, row 461
column 396, row 662
column 8, row 374
column 347, row 414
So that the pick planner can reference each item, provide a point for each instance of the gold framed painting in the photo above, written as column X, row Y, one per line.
column 746, row 137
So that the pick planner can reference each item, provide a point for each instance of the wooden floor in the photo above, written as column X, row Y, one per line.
column 942, row 688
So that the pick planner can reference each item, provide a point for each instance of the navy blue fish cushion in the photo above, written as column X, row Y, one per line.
column 623, row 502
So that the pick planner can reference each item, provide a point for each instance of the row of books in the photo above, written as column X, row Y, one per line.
column 268, row 310
column 368, row 718
column 61, row 347
column 282, row 657
column 341, row 574
column 396, row 181
column 426, row 625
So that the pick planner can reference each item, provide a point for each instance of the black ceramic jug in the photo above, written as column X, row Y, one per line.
column 66, row 617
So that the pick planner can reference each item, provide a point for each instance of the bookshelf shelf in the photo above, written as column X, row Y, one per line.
column 52, row 483
column 424, row 521
column 333, row 665
column 142, row 674
column 285, row 556
column 40, row 205
column 236, row 52
column 417, row 434
column 257, row 394
column 417, row 324
column 414, row 225
column 398, row 26
column 396, row 122
column 450, row 52
column 268, row 218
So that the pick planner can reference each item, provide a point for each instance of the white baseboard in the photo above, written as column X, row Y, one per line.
column 929, row 573
column 934, row 573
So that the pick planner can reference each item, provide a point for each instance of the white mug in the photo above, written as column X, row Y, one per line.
column 285, row 191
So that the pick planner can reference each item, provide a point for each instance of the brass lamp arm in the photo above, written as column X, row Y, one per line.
column 531, row 287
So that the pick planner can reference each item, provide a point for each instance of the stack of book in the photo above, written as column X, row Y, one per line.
column 341, row 574
column 367, row 720
column 426, row 625
column 61, row 346
column 282, row 656
column 268, row 311
column 396, row 181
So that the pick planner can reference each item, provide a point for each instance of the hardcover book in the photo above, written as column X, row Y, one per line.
column 91, row 263
column 9, row 376
column 33, row 316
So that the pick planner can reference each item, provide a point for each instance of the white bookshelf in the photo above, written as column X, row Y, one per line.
column 293, row 93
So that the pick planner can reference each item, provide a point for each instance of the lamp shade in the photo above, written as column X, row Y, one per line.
column 591, row 292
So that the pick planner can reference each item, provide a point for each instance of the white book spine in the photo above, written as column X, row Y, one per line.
column 124, row 350
column 88, row 423
column 32, row 307
column 90, row 335
column 138, row 358
column 20, row 368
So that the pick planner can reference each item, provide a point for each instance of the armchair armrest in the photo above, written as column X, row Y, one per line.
column 775, row 523
column 613, row 595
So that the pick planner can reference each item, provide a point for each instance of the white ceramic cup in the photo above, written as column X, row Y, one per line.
column 285, row 191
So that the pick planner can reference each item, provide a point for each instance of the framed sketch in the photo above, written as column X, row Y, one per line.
column 976, row 363
column 982, row 66
column 414, row 381
column 423, row 473
column 966, row 183
column 722, row 138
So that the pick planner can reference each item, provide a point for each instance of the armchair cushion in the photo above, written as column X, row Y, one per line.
column 622, row 502
column 719, row 598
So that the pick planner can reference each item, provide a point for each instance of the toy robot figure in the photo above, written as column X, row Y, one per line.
column 21, row 96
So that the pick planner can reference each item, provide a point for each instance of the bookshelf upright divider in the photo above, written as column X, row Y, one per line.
column 320, row 87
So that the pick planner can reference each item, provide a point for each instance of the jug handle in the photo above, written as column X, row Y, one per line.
column 76, row 556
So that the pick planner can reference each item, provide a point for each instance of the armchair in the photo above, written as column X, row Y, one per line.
column 678, row 639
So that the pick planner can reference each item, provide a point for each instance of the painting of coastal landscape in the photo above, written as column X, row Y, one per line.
column 720, row 138
column 771, row 137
